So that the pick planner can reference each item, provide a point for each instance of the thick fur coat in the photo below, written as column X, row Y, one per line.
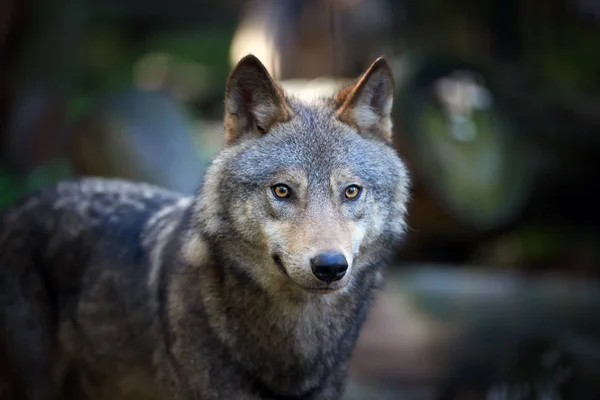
column 119, row 290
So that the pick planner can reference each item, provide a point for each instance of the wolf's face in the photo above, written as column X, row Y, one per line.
column 310, row 193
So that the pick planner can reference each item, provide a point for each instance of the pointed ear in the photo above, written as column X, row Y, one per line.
column 253, row 101
column 367, row 104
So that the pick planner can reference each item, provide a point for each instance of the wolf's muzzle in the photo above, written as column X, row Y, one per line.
column 329, row 266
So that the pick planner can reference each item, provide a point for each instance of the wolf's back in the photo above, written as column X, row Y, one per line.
column 77, row 215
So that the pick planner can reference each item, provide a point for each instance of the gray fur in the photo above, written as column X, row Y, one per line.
column 118, row 290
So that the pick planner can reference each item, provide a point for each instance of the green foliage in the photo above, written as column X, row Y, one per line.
column 108, row 55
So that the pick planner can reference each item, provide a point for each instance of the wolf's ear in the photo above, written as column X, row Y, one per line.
column 367, row 104
column 253, row 101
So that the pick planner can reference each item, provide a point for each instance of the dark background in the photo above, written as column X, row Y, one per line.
column 497, row 113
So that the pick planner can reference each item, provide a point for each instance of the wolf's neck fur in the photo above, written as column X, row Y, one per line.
column 291, row 343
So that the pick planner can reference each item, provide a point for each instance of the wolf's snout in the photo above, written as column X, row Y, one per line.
column 329, row 266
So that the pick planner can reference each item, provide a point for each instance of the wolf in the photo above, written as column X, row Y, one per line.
column 254, row 288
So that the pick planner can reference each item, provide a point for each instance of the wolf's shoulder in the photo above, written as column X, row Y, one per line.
column 117, row 190
column 78, row 205
column 103, row 194
column 74, row 226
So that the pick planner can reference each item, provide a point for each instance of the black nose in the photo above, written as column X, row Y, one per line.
column 329, row 266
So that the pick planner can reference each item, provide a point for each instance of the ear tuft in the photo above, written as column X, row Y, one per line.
column 253, row 101
column 367, row 104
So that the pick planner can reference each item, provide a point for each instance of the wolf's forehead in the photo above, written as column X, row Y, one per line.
column 295, row 156
column 314, row 156
column 315, row 144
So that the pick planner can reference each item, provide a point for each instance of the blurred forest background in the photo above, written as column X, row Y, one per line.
column 494, row 295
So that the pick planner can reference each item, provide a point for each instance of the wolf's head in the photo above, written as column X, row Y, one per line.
column 305, row 196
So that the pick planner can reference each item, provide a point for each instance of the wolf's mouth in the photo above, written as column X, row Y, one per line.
column 279, row 264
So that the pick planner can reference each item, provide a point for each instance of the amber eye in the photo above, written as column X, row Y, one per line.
column 352, row 192
column 281, row 191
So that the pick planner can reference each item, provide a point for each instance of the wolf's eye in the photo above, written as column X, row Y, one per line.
column 281, row 191
column 352, row 192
